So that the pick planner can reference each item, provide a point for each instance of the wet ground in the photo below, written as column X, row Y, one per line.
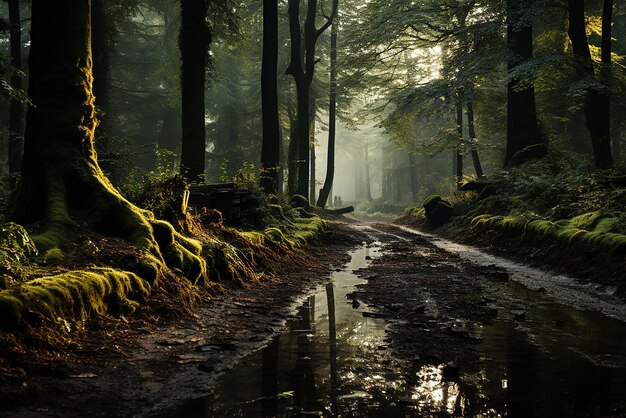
column 418, row 326
column 412, row 325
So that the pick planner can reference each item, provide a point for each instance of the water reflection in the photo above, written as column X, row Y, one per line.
column 333, row 362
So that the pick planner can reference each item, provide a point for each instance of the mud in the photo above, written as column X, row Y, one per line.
column 411, row 326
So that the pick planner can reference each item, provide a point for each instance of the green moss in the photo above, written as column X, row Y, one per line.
column 585, row 221
column 73, row 296
column 53, row 256
column 605, row 225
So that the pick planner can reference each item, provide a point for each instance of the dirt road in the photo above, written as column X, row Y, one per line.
column 412, row 326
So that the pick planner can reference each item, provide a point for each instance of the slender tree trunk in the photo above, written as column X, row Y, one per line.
column 368, row 181
column 312, row 148
column 270, row 149
column 472, row 135
column 194, row 42
column 16, row 110
column 292, row 179
column 617, row 141
column 280, row 172
column 595, row 105
column 302, row 69
column 458, row 156
column 606, row 71
column 522, row 124
column 332, row 118
column 413, row 173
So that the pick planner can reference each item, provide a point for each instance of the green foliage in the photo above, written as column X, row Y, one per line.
column 158, row 191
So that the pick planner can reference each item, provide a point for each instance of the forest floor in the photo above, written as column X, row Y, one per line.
column 592, row 265
column 460, row 333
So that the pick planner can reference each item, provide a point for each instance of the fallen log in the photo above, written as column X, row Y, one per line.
column 340, row 211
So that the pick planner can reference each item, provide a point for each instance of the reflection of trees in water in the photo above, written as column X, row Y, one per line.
column 332, row 339
column 269, row 379
column 302, row 376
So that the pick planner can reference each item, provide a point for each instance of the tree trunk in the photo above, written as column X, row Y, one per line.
column 458, row 156
column 270, row 149
column 61, row 178
column 595, row 102
column 194, row 42
column 312, row 148
column 16, row 110
column 292, row 179
column 332, row 119
column 522, row 125
column 473, row 140
column 368, row 184
column 103, row 42
column 413, row 173
column 302, row 69
column 617, row 143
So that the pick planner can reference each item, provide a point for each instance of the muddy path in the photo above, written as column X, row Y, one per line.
column 419, row 326
column 407, row 324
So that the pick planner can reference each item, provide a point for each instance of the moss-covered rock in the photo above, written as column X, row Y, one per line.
column 437, row 210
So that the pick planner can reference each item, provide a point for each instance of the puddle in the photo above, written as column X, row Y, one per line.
column 333, row 361
column 537, row 358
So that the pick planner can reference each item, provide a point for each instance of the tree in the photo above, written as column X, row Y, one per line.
column 522, row 124
column 596, row 105
column 194, row 41
column 16, row 109
column 270, row 151
column 332, row 118
column 471, row 127
column 302, row 68
column 62, row 182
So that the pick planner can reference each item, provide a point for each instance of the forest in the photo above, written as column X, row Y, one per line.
column 329, row 208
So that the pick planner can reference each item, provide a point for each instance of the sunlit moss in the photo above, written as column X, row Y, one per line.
column 75, row 296
column 562, row 232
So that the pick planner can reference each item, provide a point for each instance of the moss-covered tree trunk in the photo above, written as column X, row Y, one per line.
column 61, row 180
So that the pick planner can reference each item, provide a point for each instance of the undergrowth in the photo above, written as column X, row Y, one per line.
column 554, row 199
column 62, row 291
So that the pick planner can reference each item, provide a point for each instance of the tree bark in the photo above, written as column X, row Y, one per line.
column 522, row 124
column 332, row 119
column 458, row 156
column 368, row 185
column 302, row 69
column 293, row 152
column 270, row 149
column 594, row 103
column 103, row 41
column 61, row 178
column 312, row 148
column 16, row 110
column 413, row 173
column 194, row 41
column 472, row 135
